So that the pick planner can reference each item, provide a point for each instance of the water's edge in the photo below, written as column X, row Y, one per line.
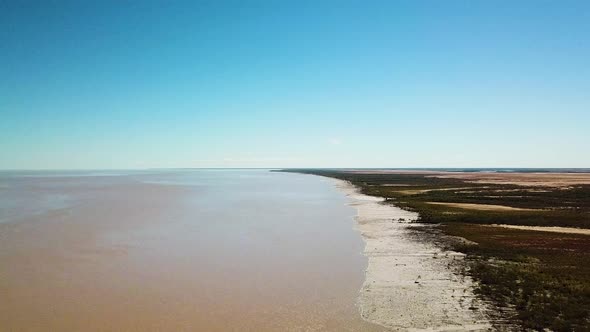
column 410, row 284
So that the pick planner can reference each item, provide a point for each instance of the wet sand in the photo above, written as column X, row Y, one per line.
column 410, row 283
column 225, row 252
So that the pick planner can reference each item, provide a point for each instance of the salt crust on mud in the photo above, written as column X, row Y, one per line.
column 410, row 284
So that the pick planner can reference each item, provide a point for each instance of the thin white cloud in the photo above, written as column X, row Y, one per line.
column 260, row 159
column 335, row 141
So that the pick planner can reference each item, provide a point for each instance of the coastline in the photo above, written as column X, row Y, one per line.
column 410, row 284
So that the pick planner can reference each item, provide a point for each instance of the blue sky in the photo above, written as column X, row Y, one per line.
column 138, row 84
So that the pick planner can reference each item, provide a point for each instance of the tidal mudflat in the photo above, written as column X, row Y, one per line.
column 411, row 284
column 216, row 250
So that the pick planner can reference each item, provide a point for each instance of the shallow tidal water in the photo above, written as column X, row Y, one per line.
column 186, row 250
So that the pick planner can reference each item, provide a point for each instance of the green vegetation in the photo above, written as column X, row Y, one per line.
column 538, row 280
column 543, row 276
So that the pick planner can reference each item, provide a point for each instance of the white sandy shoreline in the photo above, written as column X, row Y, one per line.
column 410, row 285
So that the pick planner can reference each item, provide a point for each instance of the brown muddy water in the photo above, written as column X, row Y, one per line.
column 203, row 250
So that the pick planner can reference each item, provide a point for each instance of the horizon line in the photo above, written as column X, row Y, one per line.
column 333, row 168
